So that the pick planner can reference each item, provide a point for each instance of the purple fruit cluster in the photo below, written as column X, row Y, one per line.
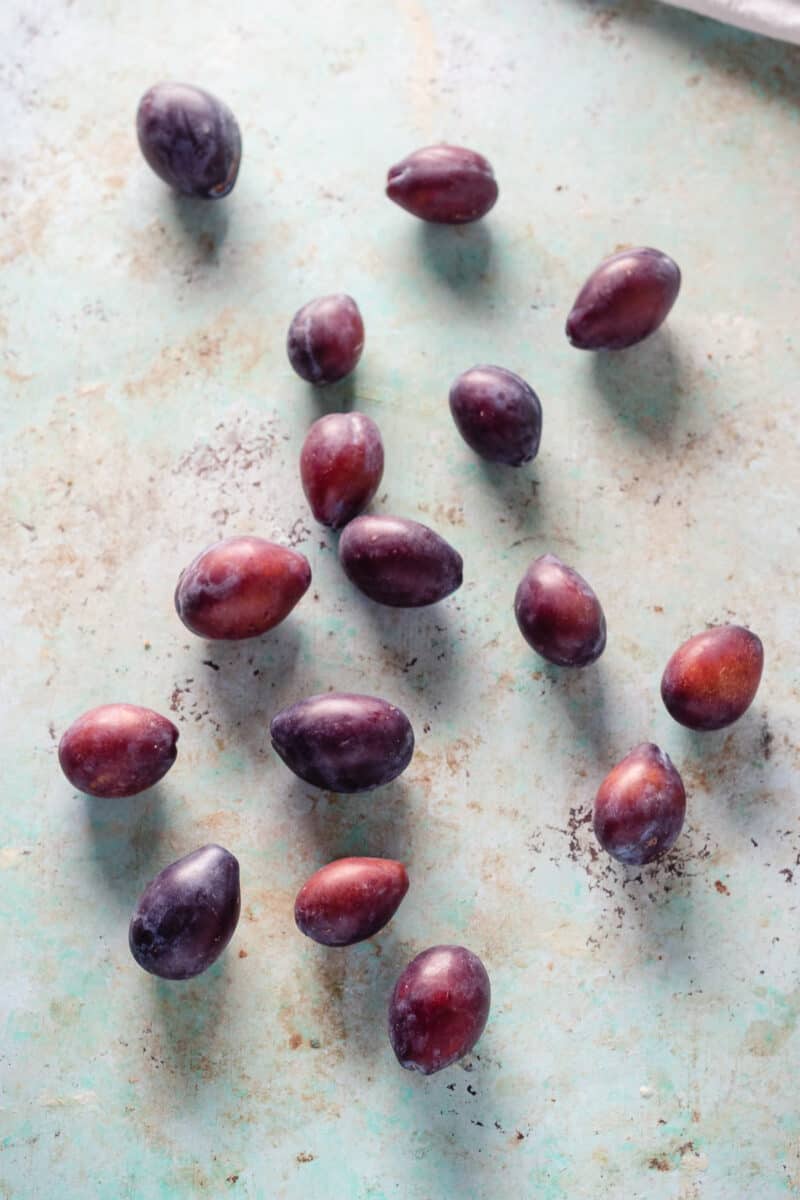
column 243, row 587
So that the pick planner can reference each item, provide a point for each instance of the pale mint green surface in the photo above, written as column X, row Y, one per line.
column 642, row 1043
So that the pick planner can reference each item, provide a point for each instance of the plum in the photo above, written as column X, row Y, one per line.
column 448, row 185
column 712, row 679
column 343, row 742
column 439, row 1008
column 498, row 415
column 350, row 899
column 325, row 339
column 341, row 466
column 559, row 615
column 187, row 915
column 190, row 139
column 640, row 806
column 624, row 300
column 240, row 588
column 399, row 562
column 117, row 750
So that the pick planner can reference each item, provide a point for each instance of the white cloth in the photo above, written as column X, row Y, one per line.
column 777, row 18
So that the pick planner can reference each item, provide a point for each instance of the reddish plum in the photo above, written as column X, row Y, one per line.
column 447, row 185
column 240, row 588
column 325, row 339
column 117, row 750
column 349, row 900
column 398, row 562
column 624, row 300
column 640, row 806
column 341, row 466
column 439, row 1008
column 559, row 615
column 712, row 679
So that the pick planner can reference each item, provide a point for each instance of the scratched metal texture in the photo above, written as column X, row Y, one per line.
column 643, row 1024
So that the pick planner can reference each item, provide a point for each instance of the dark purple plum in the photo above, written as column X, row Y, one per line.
column 712, row 679
column 325, row 339
column 117, row 750
column 240, row 588
column 343, row 742
column 640, row 806
column 190, row 139
column 624, row 300
column 447, row 185
column 558, row 614
column 438, row 1008
column 398, row 562
column 497, row 414
column 349, row 900
column 341, row 466
column 187, row 914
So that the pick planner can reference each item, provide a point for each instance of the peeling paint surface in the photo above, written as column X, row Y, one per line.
column 644, row 1023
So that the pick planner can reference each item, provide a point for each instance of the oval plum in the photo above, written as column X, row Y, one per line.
column 190, row 139
column 439, row 1008
column 447, row 185
column 640, row 806
column 341, row 466
column 711, row 680
column 343, row 742
column 559, row 615
column 240, row 588
column 398, row 562
column 350, row 899
column 117, row 750
column 325, row 339
column 624, row 300
column 187, row 914
column 498, row 415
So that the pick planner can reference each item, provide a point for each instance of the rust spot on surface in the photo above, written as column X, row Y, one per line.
column 659, row 1162
column 720, row 886
column 304, row 1157
column 31, row 229
column 421, row 769
column 294, row 1041
column 452, row 514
